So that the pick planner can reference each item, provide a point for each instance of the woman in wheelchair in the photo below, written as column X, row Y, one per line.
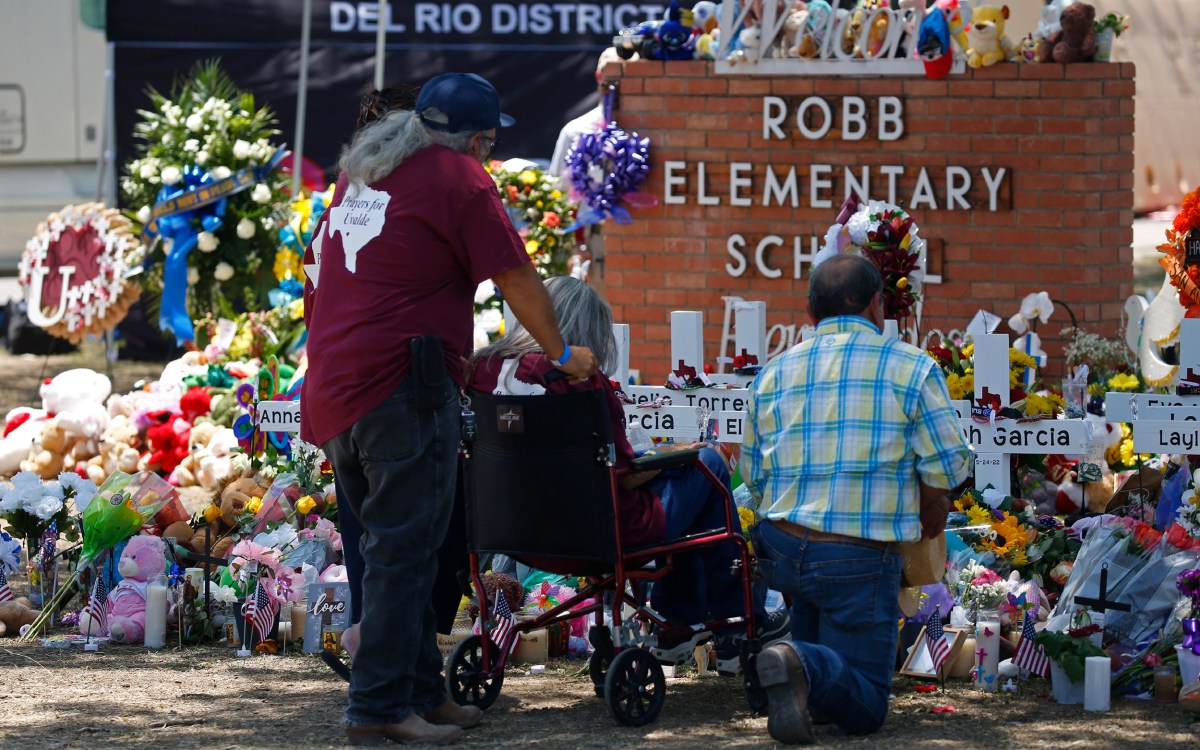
column 653, row 505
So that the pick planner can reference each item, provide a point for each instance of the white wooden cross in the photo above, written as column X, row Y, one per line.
column 993, row 446
column 1165, row 424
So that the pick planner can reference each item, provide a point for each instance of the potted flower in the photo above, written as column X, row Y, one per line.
column 1108, row 28
column 1068, row 652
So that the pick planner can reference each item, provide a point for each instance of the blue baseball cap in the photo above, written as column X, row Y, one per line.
column 470, row 103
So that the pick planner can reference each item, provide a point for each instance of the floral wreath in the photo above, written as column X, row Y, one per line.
column 1185, row 276
column 100, row 245
column 622, row 159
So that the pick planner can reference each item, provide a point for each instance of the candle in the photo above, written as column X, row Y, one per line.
column 987, row 651
column 195, row 576
column 1097, row 683
column 156, row 613
column 1164, row 684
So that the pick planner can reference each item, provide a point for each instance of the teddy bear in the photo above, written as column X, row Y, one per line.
column 143, row 560
column 987, row 42
column 184, row 474
column 16, row 614
column 790, row 36
column 118, row 450
column 748, row 42
column 76, row 397
column 236, row 494
column 1075, row 41
column 21, row 427
column 48, row 454
column 167, row 440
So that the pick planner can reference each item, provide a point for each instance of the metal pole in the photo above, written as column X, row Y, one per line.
column 301, row 97
column 106, row 169
column 380, row 38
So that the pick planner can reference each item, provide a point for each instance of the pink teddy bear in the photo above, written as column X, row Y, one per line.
column 143, row 560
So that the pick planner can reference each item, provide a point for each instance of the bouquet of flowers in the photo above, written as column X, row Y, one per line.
column 986, row 521
column 204, row 132
column 956, row 364
column 33, row 505
column 1188, row 583
column 540, row 212
column 1187, row 518
column 886, row 235
column 977, row 587
column 257, row 334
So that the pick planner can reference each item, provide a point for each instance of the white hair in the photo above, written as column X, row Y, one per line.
column 385, row 144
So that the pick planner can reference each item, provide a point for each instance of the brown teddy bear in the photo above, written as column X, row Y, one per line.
column 49, row 452
column 118, row 450
column 15, row 615
column 237, row 493
column 1076, row 42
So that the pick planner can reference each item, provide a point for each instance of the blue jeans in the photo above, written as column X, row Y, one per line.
column 397, row 467
column 845, row 610
column 703, row 585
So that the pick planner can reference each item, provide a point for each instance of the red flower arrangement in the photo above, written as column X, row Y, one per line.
column 1184, row 277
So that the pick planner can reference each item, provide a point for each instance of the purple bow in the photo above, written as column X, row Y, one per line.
column 1191, row 634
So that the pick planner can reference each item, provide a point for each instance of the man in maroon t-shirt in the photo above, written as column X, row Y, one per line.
column 415, row 227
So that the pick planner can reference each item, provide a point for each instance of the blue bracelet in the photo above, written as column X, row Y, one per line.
column 566, row 356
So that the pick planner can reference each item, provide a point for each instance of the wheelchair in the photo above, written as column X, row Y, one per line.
column 541, row 487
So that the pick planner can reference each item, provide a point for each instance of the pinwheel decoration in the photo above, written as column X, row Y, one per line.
column 256, row 442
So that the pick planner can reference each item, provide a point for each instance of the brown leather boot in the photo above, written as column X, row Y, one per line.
column 782, row 675
column 450, row 713
column 412, row 729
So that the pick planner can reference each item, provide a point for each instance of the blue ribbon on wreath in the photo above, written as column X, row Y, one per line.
column 624, row 159
column 178, row 216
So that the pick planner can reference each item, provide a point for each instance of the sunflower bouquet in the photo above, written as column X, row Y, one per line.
column 988, row 522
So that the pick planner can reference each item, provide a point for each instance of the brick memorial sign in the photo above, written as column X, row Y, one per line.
column 1019, row 177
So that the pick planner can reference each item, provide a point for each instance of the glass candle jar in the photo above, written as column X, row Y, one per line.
column 1164, row 684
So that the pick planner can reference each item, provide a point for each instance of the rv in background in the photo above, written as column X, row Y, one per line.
column 51, row 115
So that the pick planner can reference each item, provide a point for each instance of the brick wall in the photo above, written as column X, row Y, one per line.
column 1063, row 224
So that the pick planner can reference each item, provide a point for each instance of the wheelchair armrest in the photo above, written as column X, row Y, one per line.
column 670, row 460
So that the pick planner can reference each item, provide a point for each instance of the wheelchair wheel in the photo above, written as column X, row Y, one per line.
column 602, row 656
column 635, row 688
column 466, row 680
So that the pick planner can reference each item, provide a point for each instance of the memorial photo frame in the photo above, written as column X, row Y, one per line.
column 919, row 664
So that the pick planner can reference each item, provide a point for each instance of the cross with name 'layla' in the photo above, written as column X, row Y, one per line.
column 1166, row 424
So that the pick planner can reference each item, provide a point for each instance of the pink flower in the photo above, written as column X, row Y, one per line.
column 287, row 586
column 326, row 530
column 986, row 577
column 246, row 551
column 334, row 574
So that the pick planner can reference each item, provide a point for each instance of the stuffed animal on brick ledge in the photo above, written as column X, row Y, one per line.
column 988, row 43
column 142, row 561
column 1076, row 41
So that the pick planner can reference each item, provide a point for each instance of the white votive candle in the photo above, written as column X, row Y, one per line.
column 156, row 613
column 1097, row 683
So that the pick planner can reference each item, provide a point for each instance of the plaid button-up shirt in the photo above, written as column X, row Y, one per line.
column 840, row 427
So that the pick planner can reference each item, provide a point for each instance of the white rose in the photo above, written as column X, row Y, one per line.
column 241, row 149
column 46, row 506
column 146, row 171
column 168, row 139
column 223, row 271
column 171, row 175
column 201, row 157
column 207, row 242
column 268, row 223
column 220, row 173
column 143, row 215
column 261, row 194
column 191, row 144
column 245, row 229
column 194, row 123
column 193, row 277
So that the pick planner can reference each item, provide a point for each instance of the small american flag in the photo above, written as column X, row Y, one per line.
column 504, row 634
column 1029, row 655
column 97, row 605
column 260, row 612
column 935, row 638
column 49, row 545
column 6, row 594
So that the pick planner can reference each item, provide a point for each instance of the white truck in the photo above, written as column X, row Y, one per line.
column 52, row 86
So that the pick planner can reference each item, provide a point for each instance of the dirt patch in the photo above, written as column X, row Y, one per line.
column 128, row 697
column 21, row 375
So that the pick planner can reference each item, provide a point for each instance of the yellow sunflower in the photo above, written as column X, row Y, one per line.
column 1009, row 538
column 978, row 516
